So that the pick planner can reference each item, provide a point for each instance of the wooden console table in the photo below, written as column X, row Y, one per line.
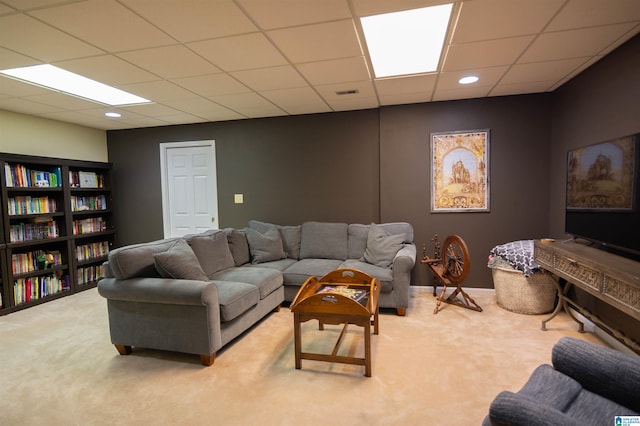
column 611, row 278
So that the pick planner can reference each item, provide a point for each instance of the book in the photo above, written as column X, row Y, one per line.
column 359, row 295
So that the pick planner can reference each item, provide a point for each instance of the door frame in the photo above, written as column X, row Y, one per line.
column 164, row 147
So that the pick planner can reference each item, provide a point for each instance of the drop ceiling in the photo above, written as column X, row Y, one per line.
column 217, row 60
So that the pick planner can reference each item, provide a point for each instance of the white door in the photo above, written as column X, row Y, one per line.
column 189, row 187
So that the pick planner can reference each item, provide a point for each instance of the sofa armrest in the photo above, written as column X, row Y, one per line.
column 401, row 267
column 604, row 371
column 406, row 257
column 512, row 409
column 160, row 290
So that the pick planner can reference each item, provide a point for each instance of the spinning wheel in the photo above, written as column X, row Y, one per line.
column 451, row 268
column 456, row 259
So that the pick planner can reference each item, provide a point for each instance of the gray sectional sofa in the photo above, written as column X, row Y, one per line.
column 197, row 293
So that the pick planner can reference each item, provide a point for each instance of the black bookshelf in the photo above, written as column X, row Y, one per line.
column 57, row 227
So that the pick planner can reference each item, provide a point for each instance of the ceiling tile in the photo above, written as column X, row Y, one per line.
column 25, row 106
column 32, row 4
column 485, row 53
column 492, row 19
column 284, row 77
column 461, row 93
column 312, row 43
column 10, row 59
column 330, row 91
column 158, row 91
column 574, row 43
column 4, row 10
column 107, row 69
column 588, row 13
column 170, row 61
column 420, row 83
column 212, row 85
column 240, row 52
column 541, row 71
column 150, row 110
column 376, row 7
column 12, row 87
column 191, row 20
column 285, row 13
column 336, row 71
column 394, row 91
column 488, row 77
column 364, row 98
column 297, row 101
column 249, row 104
column 520, row 88
column 62, row 100
column 26, row 35
column 93, row 21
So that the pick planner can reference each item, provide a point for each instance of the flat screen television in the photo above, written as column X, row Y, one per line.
column 603, row 187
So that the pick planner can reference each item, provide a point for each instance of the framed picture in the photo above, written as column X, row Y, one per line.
column 601, row 176
column 460, row 171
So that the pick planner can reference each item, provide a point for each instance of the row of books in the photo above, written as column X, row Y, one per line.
column 28, row 289
column 89, row 274
column 31, row 205
column 92, row 251
column 33, row 231
column 89, row 225
column 80, row 179
column 79, row 204
column 20, row 176
column 26, row 262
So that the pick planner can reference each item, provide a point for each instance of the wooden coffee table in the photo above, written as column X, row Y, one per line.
column 344, row 296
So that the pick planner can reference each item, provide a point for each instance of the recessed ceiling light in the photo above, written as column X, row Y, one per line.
column 113, row 114
column 468, row 79
column 55, row 78
column 407, row 42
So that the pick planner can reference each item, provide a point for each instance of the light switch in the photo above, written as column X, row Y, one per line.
column 238, row 198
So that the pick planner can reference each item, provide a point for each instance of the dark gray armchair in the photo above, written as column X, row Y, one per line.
column 588, row 384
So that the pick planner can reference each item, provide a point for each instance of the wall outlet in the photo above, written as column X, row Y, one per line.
column 238, row 198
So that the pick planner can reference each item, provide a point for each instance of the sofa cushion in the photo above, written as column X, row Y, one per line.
column 290, row 236
column 279, row 265
column 212, row 250
column 323, row 240
column 382, row 247
column 266, row 246
column 384, row 275
column 300, row 271
column 238, row 246
column 267, row 280
column 357, row 243
column 235, row 298
column 179, row 262
column 136, row 260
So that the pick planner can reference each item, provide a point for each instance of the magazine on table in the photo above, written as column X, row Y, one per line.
column 357, row 294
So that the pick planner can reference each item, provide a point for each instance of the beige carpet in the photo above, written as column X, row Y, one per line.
column 58, row 367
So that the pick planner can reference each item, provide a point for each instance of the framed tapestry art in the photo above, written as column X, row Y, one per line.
column 601, row 176
column 460, row 171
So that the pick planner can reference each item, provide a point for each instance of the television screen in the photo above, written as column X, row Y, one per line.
column 603, row 183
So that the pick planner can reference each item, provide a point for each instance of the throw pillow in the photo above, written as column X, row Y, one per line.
column 382, row 247
column 212, row 251
column 239, row 246
column 179, row 262
column 265, row 247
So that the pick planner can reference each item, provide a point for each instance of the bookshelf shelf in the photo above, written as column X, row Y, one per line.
column 47, row 203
